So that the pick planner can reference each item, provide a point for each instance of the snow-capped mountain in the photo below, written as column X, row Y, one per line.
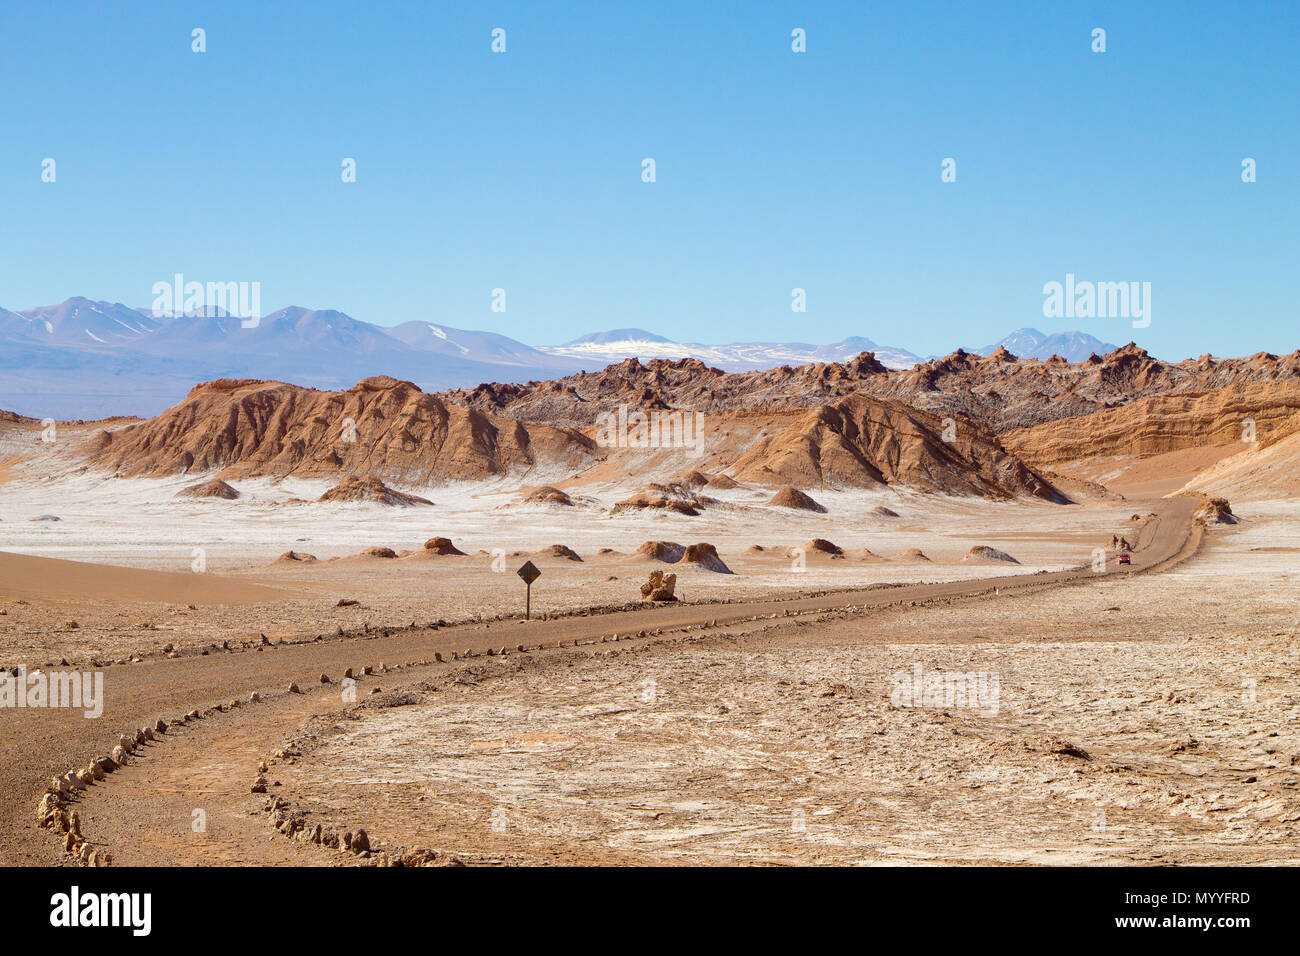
column 80, row 322
column 599, row 349
column 616, row 335
column 1031, row 343
column 486, row 347
column 85, row 359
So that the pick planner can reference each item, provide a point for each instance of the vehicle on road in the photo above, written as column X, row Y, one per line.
column 1125, row 559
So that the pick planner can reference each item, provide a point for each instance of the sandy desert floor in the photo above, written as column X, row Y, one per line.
column 1147, row 717
column 217, row 577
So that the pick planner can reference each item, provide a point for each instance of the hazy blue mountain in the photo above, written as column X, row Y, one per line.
column 599, row 349
column 1031, row 343
column 617, row 335
column 477, row 346
column 81, row 322
column 87, row 359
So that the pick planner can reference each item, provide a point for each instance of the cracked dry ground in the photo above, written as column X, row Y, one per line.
column 1143, row 720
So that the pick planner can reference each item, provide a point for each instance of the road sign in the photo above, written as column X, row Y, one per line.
column 529, row 573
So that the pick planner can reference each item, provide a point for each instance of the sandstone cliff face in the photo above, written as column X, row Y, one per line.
column 1165, row 423
column 1001, row 391
column 853, row 424
column 861, row 441
column 380, row 427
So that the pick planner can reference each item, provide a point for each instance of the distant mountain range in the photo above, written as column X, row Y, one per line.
column 1030, row 343
column 84, row 359
column 604, row 348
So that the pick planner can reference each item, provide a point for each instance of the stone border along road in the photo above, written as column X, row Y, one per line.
column 38, row 745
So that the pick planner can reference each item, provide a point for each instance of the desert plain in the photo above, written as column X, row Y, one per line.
column 898, row 628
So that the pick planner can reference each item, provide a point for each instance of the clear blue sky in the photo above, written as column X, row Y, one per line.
column 775, row 169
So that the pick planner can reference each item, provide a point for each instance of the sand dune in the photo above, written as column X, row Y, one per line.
column 28, row 577
column 1255, row 472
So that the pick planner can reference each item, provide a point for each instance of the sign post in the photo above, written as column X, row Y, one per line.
column 530, row 574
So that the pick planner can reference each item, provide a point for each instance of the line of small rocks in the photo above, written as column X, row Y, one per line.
column 294, row 823
column 369, row 631
column 55, row 810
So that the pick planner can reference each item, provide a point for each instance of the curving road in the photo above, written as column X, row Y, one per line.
column 39, row 743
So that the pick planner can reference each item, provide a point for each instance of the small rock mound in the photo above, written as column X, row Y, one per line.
column 378, row 552
column 1119, row 543
column 911, row 554
column 355, row 488
column 692, row 479
column 880, row 511
column 686, row 504
column 295, row 557
column 706, row 556
column 441, row 546
column 791, row 497
column 1215, row 511
column 560, row 551
column 982, row 552
column 724, row 482
column 822, row 546
column 548, row 495
column 668, row 551
column 216, row 488
column 660, row 587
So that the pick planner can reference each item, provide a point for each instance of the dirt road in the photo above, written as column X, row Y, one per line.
column 40, row 742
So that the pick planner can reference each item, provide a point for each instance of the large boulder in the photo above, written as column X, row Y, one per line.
column 660, row 587
column 706, row 556
column 668, row 551
column 441, row 546
column 1215, row 511
column 983, row 554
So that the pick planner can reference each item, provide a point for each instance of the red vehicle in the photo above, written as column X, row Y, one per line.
column 1124, row 559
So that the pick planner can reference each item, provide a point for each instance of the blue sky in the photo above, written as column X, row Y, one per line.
column 775, row 170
